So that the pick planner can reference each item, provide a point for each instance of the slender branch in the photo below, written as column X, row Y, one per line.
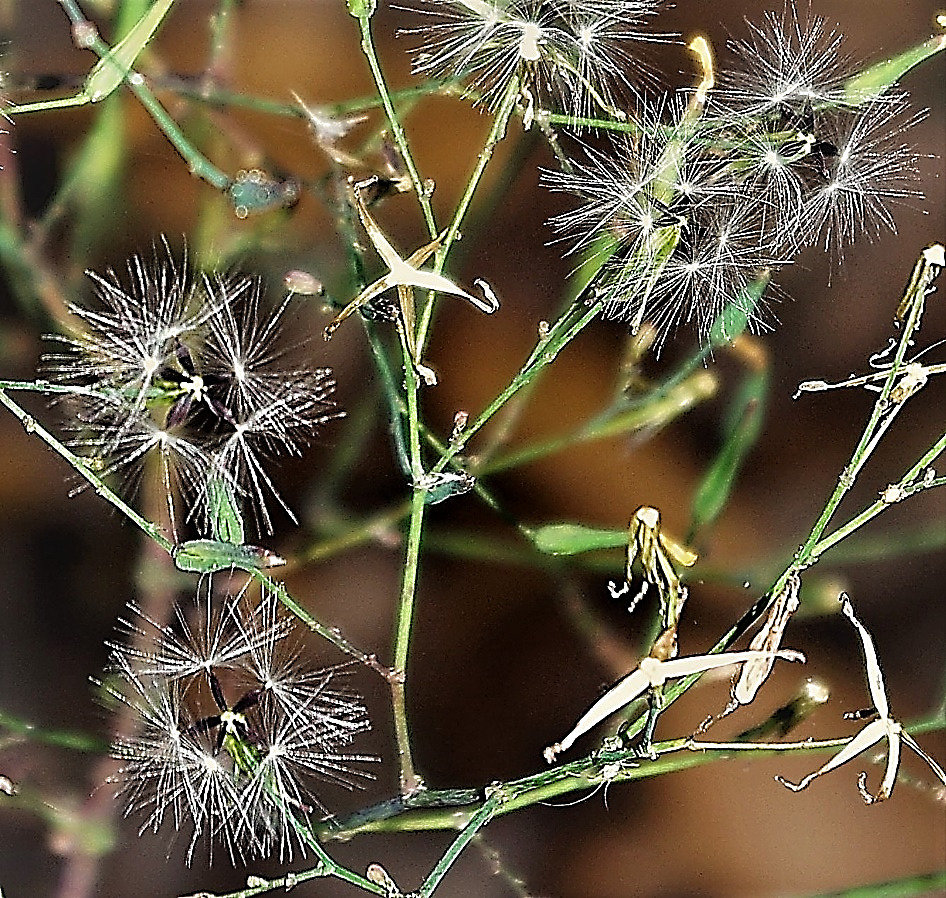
column 477, row 821
column 568, row 326
column 880, row 419
column 496, row 133
column 410, row 780
column 90, row 40
column 455, row 809
column 908, row 486
column 81, row 466
column 27, row 731
column 331, row 634
column 397, row 129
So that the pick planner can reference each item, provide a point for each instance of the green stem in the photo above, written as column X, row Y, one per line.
column 247, row 759
column 477, row 821
column 199, row 165
column 59, row 738
column 81, row 466
column 152, row 530
column 882, row 415
column 908, row 483
column 598, row 124
column 331, row 634
column 670, row 405
column 349, row 538
column 496, row 133
column 217, row 96
column 413, row 411
column 410, row 780
column 455, row 809
column 397, row 130
column 568, row 326
column 45, row 387
column 880, row 419
column 329, row 867
column 221, row 33
column 925, row 884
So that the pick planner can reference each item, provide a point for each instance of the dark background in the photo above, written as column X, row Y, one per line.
column 497, row 669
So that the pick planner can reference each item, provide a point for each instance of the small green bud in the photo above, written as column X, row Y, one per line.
column 362, row 9
column 226, row 522
column 573, row 539
column 206, row 556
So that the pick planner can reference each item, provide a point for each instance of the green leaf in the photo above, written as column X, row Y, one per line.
column 737, row 313
column 743, row 425
column 226, row 522
column 206, row 556
column 655, row 412
column 112, row 69
column 573, row 539
column 875, row 80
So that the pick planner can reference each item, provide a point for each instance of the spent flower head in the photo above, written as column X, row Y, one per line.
column 575, row 54
column 234, row 730
column 192, row 371
column 832, row 160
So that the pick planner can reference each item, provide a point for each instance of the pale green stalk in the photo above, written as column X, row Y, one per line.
column 116, row 67
column 496, row 133
column 81, row 466
column 910, row 484
column 477, row 821
column 397, row 129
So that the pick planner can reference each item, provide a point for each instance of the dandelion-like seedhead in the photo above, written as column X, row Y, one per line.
column 871, row 170
column 831, row 161
column 575, row 54
column 190, row 371
column 787, row 63
column 689, row 211
column 234, row 732
column 679, row 240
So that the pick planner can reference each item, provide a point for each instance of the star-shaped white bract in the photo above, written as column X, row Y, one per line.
column 884, row 727
column 651, row 673
column 405, row 274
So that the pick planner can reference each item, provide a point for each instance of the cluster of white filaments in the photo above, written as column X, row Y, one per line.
column 572, row 56
column 233, row 731
column 705, row 198
column 189, row 370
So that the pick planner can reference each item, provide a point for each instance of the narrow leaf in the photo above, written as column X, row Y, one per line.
column 226, row 522
column 112, row 69
column 207, row 556
column 874, row 80
column 745, row 422
column 573, row 539
column 738, row 312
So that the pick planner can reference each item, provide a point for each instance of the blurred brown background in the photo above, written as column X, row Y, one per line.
column 498, row 671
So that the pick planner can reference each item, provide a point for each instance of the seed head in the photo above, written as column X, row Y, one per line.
column 192, row 371
column 574, row 54
column 234, row 730
column 693, row 209
column 786, row 63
